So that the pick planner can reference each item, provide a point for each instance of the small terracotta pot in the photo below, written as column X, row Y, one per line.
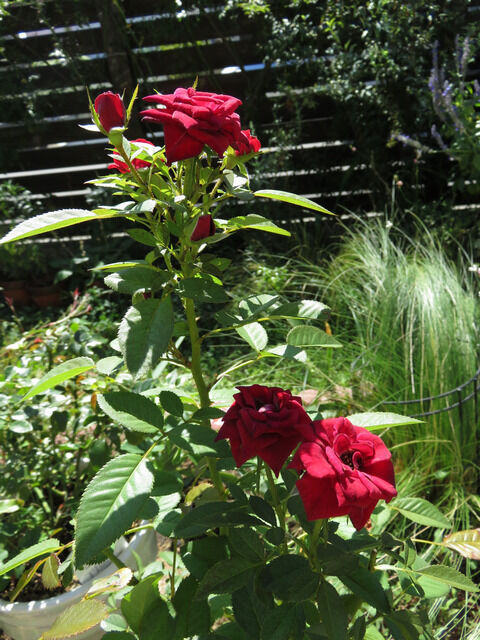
column 16, row 291
column 46, row 296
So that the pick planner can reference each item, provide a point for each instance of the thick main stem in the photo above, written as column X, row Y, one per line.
column 195, row 365
column 196, row 369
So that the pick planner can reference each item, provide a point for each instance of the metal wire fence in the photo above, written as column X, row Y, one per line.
column 462, row 394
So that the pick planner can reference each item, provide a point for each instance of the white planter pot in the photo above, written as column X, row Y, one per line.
column 28, row 620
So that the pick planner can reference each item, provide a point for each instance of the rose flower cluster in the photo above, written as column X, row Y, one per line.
column 343, row 469
column 190, row 119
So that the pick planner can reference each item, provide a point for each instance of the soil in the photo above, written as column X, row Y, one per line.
column 33, row 591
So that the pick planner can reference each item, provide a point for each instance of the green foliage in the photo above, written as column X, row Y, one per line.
column 411, row 317
column 246, row 556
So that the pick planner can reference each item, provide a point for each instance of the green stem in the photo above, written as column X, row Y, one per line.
column 114, row 559
column 196, row 367
column 174, row 566
column 276, row 502
column 319, row 528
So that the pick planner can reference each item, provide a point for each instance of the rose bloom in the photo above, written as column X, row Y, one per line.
column 192, row 119
column 123, row 167
column 110, row 110
column 345, row 470
column 264, row 422
column 247, row 143
column 204, row 228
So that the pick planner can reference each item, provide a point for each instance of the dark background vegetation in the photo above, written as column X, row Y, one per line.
column 336, row 91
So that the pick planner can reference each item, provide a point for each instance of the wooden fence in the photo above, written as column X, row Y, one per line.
column 53, row 50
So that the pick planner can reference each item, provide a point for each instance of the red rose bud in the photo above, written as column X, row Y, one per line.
column 123, row 167
column 204, row 228
column 192, row 119
column 247, row 143
column 265, row 422
column 344, row 470
column 110, row 110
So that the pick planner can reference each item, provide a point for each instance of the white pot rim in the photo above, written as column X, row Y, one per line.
column 93, row 573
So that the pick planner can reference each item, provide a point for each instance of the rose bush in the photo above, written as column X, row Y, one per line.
column 243, row 559
column 265, row 422
column 345, row 470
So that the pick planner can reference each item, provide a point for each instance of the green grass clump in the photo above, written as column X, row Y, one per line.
column 409, row 320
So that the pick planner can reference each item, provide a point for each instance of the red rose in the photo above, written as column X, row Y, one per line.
column 263, row 422
column 122, row 166
column 204, row 228
column 192, row 119
column 110, row 110
column 247, row 143
column 346, row 471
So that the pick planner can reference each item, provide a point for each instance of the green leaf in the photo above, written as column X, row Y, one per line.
column 60, row 373
column 421, row 511
column 246, row 543
column 367, row 586
column 132, row 279
column 263, row 510
column 35, row 551
column 258, row 305
column 213, row 515
column 50, row 579
column 20, row 426
column 374, row 420
column 132, row 410
column 254, row 334
column 54, row 220
column 291, row 198
column 253, row 221
column 467, row 543
column 289, row 578
column 190, row 620
column 308, row 336
column 171, row 403
column 203, row 553
column 115, row 266
column 110, row 504
column 373, row 634
column 226, row 576
column 146, row 612
column 144, row 334
column 143, row 236
column 280, row 623
column 332, row 612
column 286, row 351
column 449, row 576
column 76, row 619
column 107, row 365
column 202, row 290
column 400, row 624
column 303, row 309
column 10, row 505
column 249, row 611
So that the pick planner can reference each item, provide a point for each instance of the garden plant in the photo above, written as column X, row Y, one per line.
column 271, row 515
